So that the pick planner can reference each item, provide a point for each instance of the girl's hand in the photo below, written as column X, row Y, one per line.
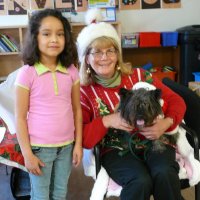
column 116, row 121
column 157, row 129
column 34, row 164
column 77, row 154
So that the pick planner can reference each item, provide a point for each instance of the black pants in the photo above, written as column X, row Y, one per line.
column 157, row 175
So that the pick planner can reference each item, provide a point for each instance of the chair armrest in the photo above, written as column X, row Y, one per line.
column 193, row 136
column 97, row 158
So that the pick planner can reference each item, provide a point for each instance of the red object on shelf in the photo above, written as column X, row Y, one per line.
column 149, row 39
column 160, row 75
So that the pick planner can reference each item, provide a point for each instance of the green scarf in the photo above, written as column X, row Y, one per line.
column 109, row 82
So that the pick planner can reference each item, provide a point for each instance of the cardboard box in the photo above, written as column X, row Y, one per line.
column 195, row 86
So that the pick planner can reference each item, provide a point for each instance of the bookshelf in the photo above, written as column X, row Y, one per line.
column 158, row 56
column 10, row 61
column 77, row 27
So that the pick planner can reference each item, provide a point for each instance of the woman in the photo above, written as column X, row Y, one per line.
column 102, row 74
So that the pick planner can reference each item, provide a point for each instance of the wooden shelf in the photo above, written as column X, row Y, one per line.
column 77, row 27
column 3, row 78
column 9, row 53
column 158, row 56
column 10, row 61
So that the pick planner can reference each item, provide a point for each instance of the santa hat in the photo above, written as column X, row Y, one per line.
column 95, row 29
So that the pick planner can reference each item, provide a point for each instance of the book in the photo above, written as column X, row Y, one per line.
column 7, row 43
column 2, row 49
column 4, row 46
column 12, row 41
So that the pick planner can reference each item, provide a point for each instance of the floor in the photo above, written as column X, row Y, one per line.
column 79, row 186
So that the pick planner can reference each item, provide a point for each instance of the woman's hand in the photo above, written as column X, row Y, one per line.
column 77, row 154
column 157, row 129
column 33, row 164
column 116, row 121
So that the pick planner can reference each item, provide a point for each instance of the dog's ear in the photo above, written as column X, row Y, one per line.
column 157, row 93
column 123, row 92
column 125, row 95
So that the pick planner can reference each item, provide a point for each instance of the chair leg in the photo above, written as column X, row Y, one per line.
column 197, row 191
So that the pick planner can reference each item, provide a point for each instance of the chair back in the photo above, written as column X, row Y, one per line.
column 192, row 101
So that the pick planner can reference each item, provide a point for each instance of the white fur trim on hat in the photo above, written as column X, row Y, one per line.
column 94, row 31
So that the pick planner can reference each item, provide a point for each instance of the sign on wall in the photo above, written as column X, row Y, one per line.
column 65, row 5
column 41, row 4
column 17, row 7
column 21, row 7
column 148, row 4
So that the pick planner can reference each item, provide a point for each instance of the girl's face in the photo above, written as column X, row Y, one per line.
column 51, row 40
column 103, row 61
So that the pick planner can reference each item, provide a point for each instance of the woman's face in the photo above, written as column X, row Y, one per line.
column 103, row 61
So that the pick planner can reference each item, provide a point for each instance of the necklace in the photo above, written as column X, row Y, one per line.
column 40, row 3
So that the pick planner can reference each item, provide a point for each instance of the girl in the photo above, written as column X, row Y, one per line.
column 48, row 111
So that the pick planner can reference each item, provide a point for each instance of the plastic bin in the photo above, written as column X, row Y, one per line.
column 169, row 39
column 189, row 41
column 149, row 39
column 130, row 40
column 196, row 76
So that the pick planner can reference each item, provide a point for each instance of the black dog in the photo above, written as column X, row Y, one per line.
column 140, row 108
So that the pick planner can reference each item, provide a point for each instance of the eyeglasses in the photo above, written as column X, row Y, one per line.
column 99, row 54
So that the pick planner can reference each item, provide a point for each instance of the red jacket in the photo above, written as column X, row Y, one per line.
column 93, row 128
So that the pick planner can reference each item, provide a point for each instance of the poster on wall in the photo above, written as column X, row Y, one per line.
column 3, row 10
column 17, row 7
column 171, row 3
column 151, row 4
column 81, row 5
column 101, row 3
column 109, row 14
column 65, row 5
column 129, row 4
column 40, row 4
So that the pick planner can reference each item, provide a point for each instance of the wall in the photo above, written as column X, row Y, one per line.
column 161, row 19
column 139, row 20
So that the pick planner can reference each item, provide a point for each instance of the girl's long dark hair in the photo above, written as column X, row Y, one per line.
column 31, row 53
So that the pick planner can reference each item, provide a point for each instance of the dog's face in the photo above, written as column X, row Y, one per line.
column 140, row 107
